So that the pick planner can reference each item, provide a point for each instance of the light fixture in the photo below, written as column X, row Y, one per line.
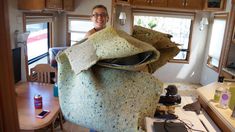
column 203, row 23
column 122, row 18
column 21, row 38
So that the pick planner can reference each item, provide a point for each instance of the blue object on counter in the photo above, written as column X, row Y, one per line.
column 55, row 90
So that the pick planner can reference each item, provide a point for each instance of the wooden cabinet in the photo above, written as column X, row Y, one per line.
column 227, row 53
column 186, row 4
column 54, row 4
column 226, row 74
column 67, row 5
column 31, row 4
column 176, row 3
column 213, row 5
column 123, row 2
column 233, row 35
column 160, row 3
column 155, row 3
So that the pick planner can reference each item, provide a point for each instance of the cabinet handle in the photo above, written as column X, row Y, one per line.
column 186, row 3
column 152, row 1
column 183, row 2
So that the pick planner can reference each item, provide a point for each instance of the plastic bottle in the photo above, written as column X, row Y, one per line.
column 218, row 92
column 55, row 90
column 225, row 98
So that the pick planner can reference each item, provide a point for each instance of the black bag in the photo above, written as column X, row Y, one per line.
column 169, row 127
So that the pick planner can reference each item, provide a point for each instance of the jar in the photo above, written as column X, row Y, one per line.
column 217, row 94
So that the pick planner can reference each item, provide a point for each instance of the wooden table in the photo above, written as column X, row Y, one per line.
column 189, row 117
column 25, row 104
column 222, row 117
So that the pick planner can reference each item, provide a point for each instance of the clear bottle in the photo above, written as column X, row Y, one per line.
column 219, row 89
column 218, row 92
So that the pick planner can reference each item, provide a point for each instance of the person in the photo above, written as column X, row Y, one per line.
column 99, row 17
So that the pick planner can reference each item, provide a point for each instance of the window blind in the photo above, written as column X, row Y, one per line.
column 217, row 36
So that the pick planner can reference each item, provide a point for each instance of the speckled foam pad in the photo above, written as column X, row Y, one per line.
column 168, row 49
column 166, row 55
column 106, row 99
column 157, row 39
column 107, row 44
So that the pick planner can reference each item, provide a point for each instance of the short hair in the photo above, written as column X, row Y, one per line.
column 100, row 6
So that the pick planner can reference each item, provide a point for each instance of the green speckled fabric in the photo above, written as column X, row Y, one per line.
column 104, row 97
column 161, row 41
column 107, row 44
column 107, row 99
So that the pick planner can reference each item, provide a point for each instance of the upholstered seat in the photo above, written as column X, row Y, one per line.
column 52, row 54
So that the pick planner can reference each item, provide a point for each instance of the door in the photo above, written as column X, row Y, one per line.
column 40, row 26
column 8, row 108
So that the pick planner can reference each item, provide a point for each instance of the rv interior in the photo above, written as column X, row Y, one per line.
column 203, row 70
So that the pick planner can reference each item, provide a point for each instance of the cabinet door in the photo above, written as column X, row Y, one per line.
column 31, row 4
column 123, row 1
column 68, row 5
column 176, row 3
column 54, row 4
column 193, row 4
column 141, row 2
column 160, row 3
column 214, row 4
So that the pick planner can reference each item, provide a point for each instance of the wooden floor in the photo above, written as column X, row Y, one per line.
column 70, row 127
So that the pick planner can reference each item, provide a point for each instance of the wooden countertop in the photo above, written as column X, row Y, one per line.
column 25, row 104
column 206, row 94
column 187, row 116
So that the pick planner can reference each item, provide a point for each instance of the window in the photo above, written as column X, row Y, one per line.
column 177, row 24
column 216, row 41
column 38, row 42
column 40, row 26
column 77, row 28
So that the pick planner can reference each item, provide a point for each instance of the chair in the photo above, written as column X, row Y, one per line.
column 44, row 73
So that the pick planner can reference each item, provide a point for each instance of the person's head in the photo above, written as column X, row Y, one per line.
column 99, row 16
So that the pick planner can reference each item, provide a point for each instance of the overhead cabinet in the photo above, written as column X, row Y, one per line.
column 208, row 5
column 212, row 5
column 185, row 4
column 67, row 5
column 54, row 4
column 153, row 3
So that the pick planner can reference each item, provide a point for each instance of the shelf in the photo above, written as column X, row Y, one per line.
column 229, row 71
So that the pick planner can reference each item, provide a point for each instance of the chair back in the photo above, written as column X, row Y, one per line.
column 43, row 73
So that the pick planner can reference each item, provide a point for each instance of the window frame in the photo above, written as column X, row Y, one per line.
column 68, row 34
column 225, row 16
column 171, row 13
column 50, row 37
